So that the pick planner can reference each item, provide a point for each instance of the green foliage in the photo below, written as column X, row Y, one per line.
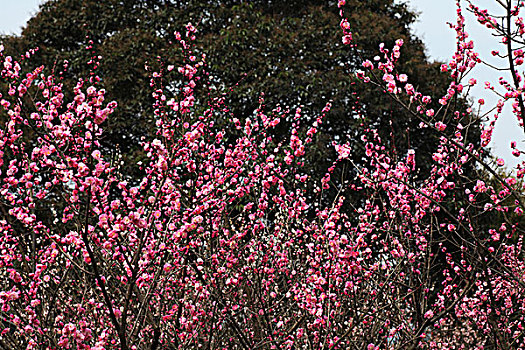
column 290, row 51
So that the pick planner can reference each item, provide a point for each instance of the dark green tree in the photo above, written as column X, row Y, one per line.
column 289, row 50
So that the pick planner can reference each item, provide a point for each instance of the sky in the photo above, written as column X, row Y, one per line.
column 15, row 13
column 431, row 28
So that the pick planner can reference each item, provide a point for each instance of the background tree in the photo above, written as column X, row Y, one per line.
column 289, row 51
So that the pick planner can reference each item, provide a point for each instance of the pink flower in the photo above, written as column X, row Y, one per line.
column 343, row 151
column 429, row 314
column 440, row 126
column 347, row 39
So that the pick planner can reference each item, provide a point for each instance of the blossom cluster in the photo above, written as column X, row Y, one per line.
column 220, row 242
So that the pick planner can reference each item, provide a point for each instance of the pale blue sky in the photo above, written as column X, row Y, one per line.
column 431, row 27
column 15, row 13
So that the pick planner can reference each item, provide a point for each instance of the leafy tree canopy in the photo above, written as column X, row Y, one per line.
column 289, row 50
